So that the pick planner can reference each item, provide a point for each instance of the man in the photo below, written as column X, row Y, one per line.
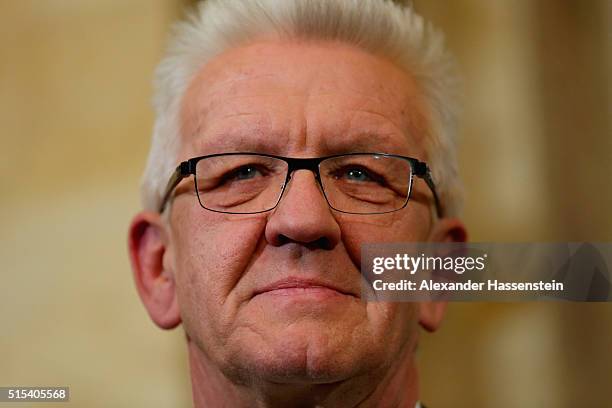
column 301, row 130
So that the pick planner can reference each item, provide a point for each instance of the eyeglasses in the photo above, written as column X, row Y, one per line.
column 251, row 183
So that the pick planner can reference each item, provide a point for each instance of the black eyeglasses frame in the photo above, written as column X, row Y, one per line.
column 188, row 167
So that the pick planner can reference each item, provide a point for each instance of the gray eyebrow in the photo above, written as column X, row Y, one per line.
column 273, row 143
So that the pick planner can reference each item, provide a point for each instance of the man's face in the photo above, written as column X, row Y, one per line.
column 278, row 293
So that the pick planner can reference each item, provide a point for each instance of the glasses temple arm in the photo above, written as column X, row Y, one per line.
column 423, row 171
column 181, row 171
column 430, row 183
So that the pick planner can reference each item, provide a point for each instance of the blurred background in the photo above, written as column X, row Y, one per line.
column 75, row 122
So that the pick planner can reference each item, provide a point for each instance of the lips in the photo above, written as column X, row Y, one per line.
column 294, row 285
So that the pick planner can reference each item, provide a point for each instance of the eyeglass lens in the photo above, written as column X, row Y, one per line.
column 353, row 183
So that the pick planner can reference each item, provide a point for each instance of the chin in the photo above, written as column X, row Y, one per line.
column 303, row 354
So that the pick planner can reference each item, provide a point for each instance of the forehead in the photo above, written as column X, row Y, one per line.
column 300, row 98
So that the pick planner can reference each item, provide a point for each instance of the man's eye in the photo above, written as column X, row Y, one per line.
column 355, row 174
column 358, row 175
column 244, row 173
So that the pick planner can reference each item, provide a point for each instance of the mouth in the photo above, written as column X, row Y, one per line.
column 294, row 286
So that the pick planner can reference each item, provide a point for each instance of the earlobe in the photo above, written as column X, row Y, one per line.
column 431, row 314
column 448, row 230
column 154, row 282
column 444, row 230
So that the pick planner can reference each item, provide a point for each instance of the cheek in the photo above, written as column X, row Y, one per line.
column 395, row 325
column 410, row 224
column 211, row 252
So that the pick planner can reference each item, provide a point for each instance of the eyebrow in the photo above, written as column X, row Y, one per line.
column 368, row 142
column 226, row 142
column 273, row 143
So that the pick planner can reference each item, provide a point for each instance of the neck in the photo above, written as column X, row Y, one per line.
column 395, row 386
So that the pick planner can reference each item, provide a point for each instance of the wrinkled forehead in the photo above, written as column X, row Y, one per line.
column 302, row 98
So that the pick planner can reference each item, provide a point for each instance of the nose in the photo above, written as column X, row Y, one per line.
column 303, row 215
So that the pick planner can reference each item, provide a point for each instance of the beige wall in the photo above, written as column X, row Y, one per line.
column 75, row 118
column 537, row 163
column 74, row 128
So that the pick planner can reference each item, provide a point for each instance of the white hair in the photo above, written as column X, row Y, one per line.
column 378, row 26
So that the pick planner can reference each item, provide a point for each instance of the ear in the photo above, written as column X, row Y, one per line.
column 444, row 230
column 448, row 230
column 155, row 283
column 431, row 314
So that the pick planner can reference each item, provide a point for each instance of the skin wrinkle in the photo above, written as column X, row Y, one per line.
column 254, row 328
column 222, row 258
column 259, row 127
column 211, row 100
column 192, row 283
column 364, row 109
column 257, row 48
column 377, row 389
